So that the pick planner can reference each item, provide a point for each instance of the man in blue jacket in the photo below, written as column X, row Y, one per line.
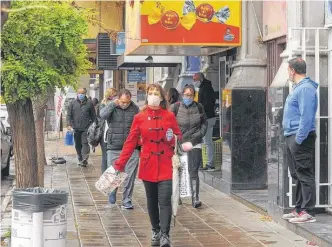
column 299, row 130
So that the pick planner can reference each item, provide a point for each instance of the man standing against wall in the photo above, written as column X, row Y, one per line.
column 299, row 130
column 81, row 113
column 207, row 98
column 119, row 115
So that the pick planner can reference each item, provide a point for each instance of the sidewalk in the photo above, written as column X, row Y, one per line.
column 221, row 221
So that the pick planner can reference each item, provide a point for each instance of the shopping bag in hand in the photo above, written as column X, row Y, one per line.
column 110, row 180
column 185, row 188
column 69, row 140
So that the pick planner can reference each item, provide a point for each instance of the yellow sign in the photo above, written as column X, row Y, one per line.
column 191, row 22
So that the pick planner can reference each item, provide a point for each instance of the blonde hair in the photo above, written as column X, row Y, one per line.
column 110, row 92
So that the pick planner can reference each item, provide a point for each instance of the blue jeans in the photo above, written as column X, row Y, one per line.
column 130, row 169
column 208, row 141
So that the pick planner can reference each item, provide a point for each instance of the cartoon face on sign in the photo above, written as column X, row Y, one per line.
column 228, row 36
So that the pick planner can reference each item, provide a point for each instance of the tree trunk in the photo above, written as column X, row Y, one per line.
column 39, row 106
column 4, row 15
column 24, row 138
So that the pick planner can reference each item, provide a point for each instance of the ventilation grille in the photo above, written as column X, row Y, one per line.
column 106, row 58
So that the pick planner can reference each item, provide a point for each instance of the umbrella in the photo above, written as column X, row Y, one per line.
column 176, row 180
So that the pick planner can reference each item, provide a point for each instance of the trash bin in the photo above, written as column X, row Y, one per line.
column 39, row 218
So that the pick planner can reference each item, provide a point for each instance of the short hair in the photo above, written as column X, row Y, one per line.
column 83, row 88
column 190, row 87
column 125, row 92
column 200, row 75
column 298, row 65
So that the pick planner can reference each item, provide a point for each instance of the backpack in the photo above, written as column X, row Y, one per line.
column 95, row 133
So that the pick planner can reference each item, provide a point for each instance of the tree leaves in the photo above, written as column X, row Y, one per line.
column 42, row 48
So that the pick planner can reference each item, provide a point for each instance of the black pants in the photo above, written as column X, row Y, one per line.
column 301, row 162
column 81, row 144
column 159, row 200
column 103, row 146
column 194, row 162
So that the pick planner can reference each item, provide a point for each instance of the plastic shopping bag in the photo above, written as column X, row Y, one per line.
column 110, row 180
column 69, row 139
column 185, row 188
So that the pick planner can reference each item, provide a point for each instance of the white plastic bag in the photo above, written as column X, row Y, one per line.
column 110, row 180
column 105, row 131
column 185, row 188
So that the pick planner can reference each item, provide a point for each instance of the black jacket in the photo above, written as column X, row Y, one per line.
column 80, row 114
column 119, row 123
column 207, row 98
column 192, row 122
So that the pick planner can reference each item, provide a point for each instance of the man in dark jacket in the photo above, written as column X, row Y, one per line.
column 119, row 115
column 207, row 98
column 81, row 113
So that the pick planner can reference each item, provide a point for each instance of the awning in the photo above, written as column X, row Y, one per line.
column 148, row 61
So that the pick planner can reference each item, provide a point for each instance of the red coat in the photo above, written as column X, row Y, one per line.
column 156, row 152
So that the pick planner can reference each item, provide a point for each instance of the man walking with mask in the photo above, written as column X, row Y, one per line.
column 119, row 115
column 299, row 131
column 207, row 98
column 81, row 113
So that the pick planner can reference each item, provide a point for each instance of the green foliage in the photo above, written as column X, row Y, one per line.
column 42, row 48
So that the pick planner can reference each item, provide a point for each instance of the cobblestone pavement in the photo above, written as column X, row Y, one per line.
column 221, row 221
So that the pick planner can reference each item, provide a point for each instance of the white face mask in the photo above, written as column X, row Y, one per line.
column 154, row 100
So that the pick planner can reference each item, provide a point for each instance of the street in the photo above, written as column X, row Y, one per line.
column 221, row 221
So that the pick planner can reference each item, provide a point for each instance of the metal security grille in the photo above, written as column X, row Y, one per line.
column 301, row 45
column 106, row 58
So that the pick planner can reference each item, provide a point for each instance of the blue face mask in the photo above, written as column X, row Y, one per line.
column 187, row 101
column 81, row 97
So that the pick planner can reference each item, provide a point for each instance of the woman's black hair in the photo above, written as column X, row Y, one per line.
column 173, row 96
column 95, row 101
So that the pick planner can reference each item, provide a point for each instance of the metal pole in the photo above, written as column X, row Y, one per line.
column 329, row 83
column 317, row 144
column 304, row 56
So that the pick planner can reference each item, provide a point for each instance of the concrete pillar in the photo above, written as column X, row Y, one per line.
column 250, row 65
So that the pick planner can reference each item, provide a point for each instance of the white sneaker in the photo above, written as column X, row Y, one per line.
column 291, row 215
column 303, row 217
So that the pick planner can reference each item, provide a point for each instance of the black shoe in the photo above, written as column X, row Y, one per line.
column 197, row 204
column 84, row 163
column 210, row 168
column 203, row 168
column 164, row 241
column 155, row 240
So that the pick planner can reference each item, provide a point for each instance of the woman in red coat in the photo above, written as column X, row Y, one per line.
column 155, row 126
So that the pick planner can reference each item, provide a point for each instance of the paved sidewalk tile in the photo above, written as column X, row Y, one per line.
column 221, row 221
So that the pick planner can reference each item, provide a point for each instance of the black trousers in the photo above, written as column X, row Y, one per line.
column 159, row 201
column 103, row 146
column 301, row 162
column 194, row 162
column 81, row 144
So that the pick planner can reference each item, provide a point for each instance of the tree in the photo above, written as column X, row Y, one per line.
column 42, row 49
